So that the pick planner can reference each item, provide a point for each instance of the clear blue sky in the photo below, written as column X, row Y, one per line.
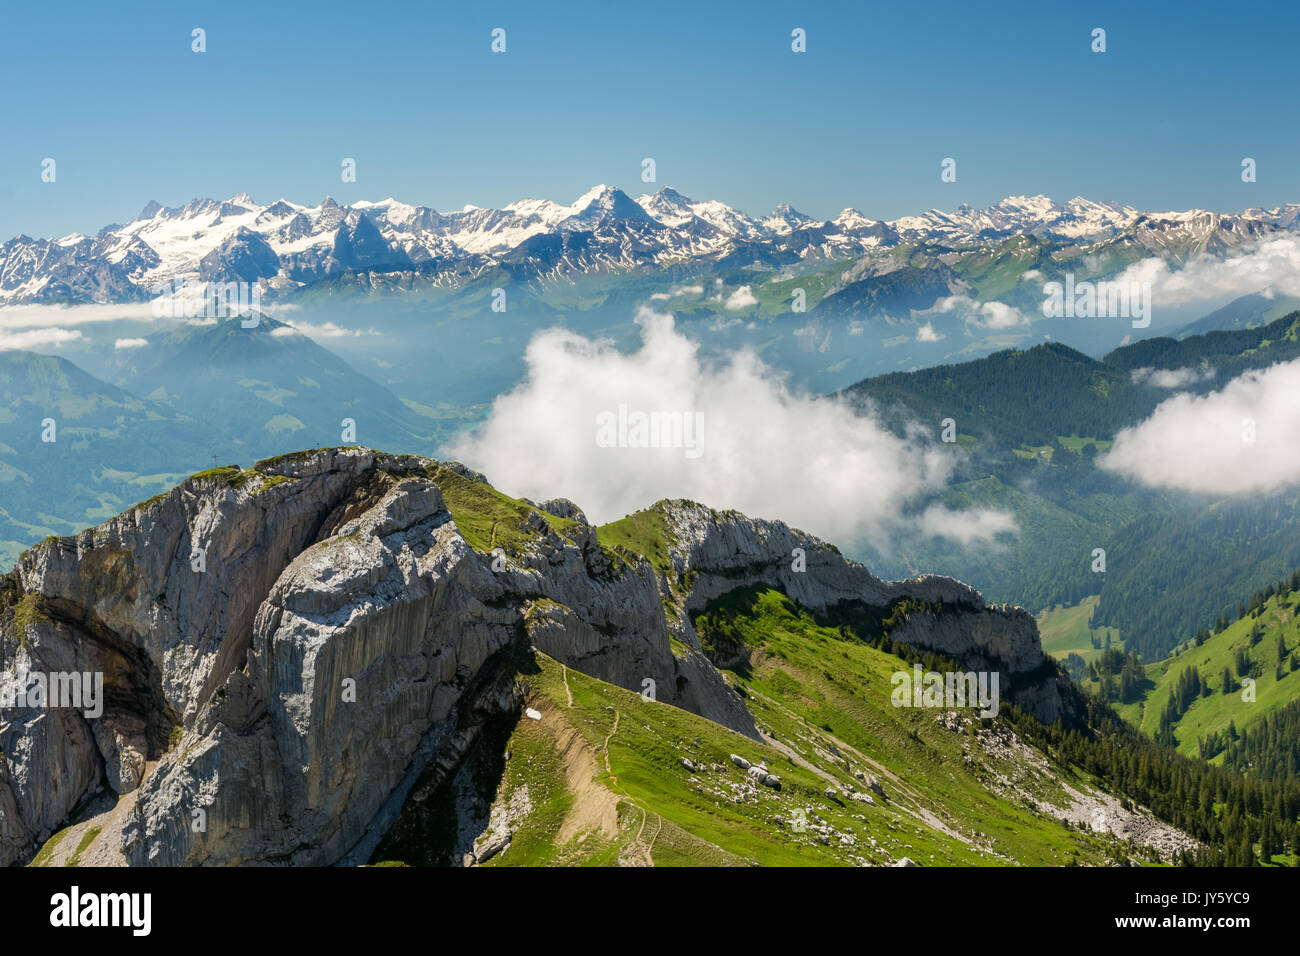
column 585, row 90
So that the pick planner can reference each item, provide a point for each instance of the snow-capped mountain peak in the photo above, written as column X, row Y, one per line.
column 784, row 219
column 605, row 202
column 287, row 244
column 850, row 219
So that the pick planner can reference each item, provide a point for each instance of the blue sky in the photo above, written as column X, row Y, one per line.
column 586, row 90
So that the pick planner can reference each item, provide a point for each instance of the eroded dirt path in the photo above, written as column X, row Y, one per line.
column 606, row 748
column 595, row 807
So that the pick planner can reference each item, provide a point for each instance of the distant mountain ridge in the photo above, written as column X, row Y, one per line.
column 199, row 394
column 284, row 245
column 1028, row 423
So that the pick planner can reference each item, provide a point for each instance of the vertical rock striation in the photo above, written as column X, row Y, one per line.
column 287, row 649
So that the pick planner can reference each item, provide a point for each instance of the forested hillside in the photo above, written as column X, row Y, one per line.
column 1228, row 694
column 1031, row 426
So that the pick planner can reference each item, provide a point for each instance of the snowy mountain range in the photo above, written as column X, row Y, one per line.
column 285, row 245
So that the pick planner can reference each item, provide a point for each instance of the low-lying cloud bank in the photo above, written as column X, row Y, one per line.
column 43, row 315
column 1242, row 439
column 1170, row 377
column 37, row 338
column 1272, row 263
column 992, row 315
column 583, row 425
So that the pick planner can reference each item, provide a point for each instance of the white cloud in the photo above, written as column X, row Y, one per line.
column 742, row 298
column 130, row 343
column 1197, row 443
column 965, row 527
column 35, row 338
column 926, row 333
column 45, row 316
column 765, row 449
column 988, row 315
column 69, row 316
column 1272, row 264
column 678, row 291
column 1170, row 377
column 998, row 315
column 325, row 330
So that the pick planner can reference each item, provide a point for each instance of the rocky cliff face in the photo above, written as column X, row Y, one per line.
column 287, row 649
column 718, row 551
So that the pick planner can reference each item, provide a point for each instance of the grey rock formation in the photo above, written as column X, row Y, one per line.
column 243, row 257
column 722, row 550
column 564, row 508
column 300, row 645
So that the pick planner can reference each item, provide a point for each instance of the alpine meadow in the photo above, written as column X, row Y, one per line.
column 488, row 481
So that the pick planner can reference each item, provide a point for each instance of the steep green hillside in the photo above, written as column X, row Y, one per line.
column 1068, row 631
column 1228, row 352
column 1202, row 699
column 1019, row 398
column 560, row 768
column 1030, row 427
column 591, row 774
column 1246, row 312
column 600, row 775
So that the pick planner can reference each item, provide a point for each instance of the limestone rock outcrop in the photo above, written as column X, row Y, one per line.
column 286, row 650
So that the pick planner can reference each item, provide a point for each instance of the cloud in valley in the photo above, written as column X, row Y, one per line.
column 988, row 315
column 37, row 338
column 1272, row 263
column 1170, row 377
column 742, row 298
column 45, row 316
column 1241, row 439
column 323, row 330
column 965, row 527
column 742, row 439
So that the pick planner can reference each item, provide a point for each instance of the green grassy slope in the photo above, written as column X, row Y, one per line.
column 1067, row 630
column 1209, row 714
column 586, row 773
column 599, row 778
